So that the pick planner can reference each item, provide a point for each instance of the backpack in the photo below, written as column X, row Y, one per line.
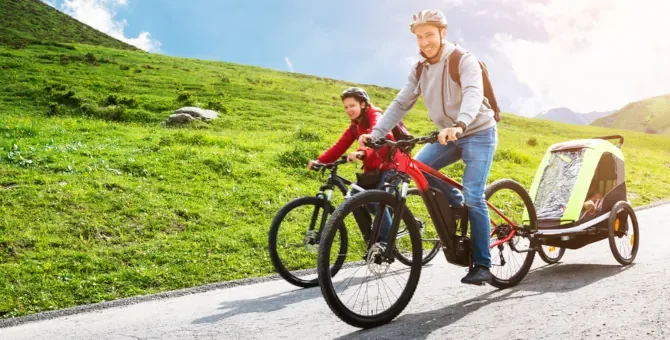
column 454, row 62
column 399, row 131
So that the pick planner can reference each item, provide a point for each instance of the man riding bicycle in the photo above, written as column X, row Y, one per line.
column 455, row 110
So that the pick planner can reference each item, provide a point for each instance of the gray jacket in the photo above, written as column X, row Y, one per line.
column 466, row 104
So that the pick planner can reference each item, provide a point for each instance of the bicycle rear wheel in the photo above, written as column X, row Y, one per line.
column 511, row 259
column 367, row 312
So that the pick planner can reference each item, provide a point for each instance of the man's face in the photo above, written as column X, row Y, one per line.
column 428, row 38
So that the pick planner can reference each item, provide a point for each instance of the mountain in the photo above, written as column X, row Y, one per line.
column 99, row 200
column 34, row 22
column 651, row 115
column 567, row 116
column 591, row 116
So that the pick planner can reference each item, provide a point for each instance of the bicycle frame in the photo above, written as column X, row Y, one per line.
column 326, row 193
column 416, row 170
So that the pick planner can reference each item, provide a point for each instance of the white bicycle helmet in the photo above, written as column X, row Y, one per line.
column 428, row 16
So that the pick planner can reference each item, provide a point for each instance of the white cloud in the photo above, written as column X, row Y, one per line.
column 51, row 3
column 100, row 14
column 412, row 60
column 600, row 54
column 289, row 64
column 453, row 3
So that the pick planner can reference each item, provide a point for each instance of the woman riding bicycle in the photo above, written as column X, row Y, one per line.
column 363, row 118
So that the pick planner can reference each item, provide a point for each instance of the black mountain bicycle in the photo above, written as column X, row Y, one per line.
column 297, row 226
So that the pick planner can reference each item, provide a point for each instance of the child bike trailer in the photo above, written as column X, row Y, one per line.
column 579, row 193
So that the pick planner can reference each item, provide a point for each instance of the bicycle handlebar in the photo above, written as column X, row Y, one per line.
column 405, row 144
column 320, row 166
column 619, row 137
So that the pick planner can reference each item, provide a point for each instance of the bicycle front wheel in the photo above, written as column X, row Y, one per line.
column 375, row 290
column 293, row 240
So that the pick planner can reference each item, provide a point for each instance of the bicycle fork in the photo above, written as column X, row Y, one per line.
column 399, row 211
column 325, row 193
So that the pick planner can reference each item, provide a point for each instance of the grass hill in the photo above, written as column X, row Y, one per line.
column 650, row 115
column 99, row 200
column 34, row 22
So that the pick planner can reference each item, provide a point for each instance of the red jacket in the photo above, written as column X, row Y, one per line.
column 373, row 159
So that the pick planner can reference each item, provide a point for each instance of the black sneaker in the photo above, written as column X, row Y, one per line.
column 477, row 276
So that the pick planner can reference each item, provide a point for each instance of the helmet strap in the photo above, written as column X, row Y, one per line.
column 437, row 56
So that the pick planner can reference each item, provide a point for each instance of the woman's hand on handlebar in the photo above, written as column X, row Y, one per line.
column 311, row 164
column 353, row 156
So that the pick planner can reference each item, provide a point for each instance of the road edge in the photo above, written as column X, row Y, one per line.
column 98, row 306
column 48, row 315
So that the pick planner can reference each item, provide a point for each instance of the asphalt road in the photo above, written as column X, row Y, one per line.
column 586, row 296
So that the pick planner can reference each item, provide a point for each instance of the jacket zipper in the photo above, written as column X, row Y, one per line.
column 444, row 109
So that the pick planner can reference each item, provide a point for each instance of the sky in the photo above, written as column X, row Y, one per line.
column 586, row 55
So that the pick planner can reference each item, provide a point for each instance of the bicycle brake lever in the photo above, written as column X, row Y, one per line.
column 380, row 142
column 370, row 143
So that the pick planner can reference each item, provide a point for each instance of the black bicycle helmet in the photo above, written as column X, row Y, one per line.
column 357, row 93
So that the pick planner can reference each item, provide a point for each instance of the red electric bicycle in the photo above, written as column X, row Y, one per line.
column 512, row 216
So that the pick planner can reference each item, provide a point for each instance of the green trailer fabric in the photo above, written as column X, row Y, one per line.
column 565, row 174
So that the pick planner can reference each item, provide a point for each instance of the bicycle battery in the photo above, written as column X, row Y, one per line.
column 456, row 248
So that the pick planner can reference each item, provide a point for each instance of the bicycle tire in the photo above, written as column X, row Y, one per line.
column 272, row 241
column 528, row 262
column 325, row 280
column 547, row 258
column 613, row 234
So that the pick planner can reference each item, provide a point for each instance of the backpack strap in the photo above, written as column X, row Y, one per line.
column 454, row 63
column 419, row 70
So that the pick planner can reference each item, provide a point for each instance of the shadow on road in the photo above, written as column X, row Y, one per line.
column 272, row 303
column 561, row 278
column 262, row 305
column 558, row 278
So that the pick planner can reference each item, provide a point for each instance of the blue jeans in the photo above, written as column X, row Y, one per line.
column 476, row 150
column 386, row 219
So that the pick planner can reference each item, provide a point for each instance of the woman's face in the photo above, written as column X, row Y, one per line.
column 352, row 107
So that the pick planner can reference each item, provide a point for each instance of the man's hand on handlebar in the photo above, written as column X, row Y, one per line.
column 449, row 134
column 362, row 141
